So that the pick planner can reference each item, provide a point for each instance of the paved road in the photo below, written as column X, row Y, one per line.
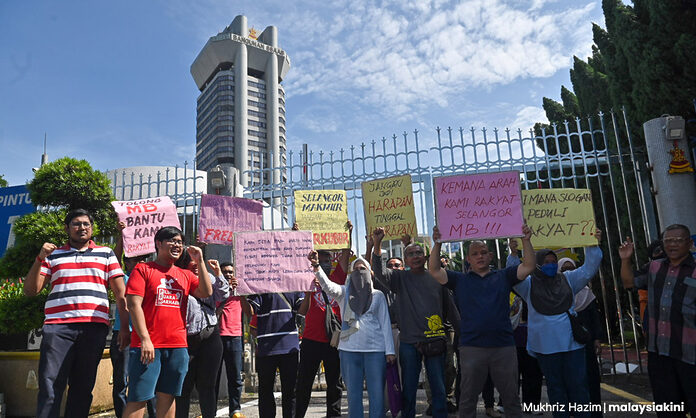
column 617, row 392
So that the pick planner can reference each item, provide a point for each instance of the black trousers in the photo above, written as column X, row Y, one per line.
column 594, row 378
column 70, row 354
column 672, row 381
column 266, row 371
column 531, row 376
column 311, row 353
column 204, row 361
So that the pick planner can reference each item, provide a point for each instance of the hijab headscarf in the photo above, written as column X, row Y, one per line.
column 549, row 294
column 585, row 296
column 359, row 292
column 360, row 283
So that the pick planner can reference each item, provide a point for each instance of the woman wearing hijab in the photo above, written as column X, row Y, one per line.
column 550, row 298
column 588, row 313
column 366, row 343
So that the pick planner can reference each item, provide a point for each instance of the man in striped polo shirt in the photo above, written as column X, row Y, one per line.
column 77, row 315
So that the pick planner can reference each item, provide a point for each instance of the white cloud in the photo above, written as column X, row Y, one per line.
column 526, row 117
column 403, row 58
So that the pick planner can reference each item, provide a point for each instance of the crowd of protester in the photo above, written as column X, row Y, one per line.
column 179, row 324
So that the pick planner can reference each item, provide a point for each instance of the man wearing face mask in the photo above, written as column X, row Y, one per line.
column 419, row 302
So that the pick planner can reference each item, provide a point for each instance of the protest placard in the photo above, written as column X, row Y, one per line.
column 143, row 218
column 479, row 206
column 273, row 262
column 388, row 203
column 325, row 212
column 222, row 216
column 560, row 218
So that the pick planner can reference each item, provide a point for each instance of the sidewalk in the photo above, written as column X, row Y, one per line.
column 617, row 392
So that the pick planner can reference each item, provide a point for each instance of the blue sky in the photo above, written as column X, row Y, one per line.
column 109, row 81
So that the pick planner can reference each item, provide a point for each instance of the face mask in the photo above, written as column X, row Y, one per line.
column 550, row 269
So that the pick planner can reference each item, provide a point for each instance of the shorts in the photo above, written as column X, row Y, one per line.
column 165, row 374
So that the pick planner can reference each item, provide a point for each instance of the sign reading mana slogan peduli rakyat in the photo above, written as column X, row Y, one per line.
column 560, row 218
column 388, row 203
column 273, row 262
column 325, row 213
column 143, row 218
column 222, row 216
column 479, row 206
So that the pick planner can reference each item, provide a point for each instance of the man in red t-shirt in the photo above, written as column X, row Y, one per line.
column 315, row 346
column 157, row 295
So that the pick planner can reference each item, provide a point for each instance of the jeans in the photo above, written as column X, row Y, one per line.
column 70, row 355
column 266, row 370
column 311, row 353
column 531, row 377
column 370, row 367
column 204, row 362
column 232, row 354
column 411, row 360
column 119, row 362
column 566, row 380
column 672, row 380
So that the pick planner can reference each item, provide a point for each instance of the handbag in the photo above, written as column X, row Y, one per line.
column 580, row 332
column 331, row 323
column 432, row 347
column 394, row 389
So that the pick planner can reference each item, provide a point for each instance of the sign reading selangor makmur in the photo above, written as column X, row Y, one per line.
column 14, row 202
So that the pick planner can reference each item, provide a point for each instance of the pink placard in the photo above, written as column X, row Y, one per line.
column 222, row 216
column 479, row 206
column 143, row 218
column 273, row 262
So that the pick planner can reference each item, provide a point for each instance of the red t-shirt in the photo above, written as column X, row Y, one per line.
column 315, row 319
column 231, row 318
column 165, row 300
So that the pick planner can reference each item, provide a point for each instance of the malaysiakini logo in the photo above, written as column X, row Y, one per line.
column 167, row 295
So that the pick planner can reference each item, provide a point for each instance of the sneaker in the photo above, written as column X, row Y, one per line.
column 493, row 413
column 500, row 409
column 238, row 415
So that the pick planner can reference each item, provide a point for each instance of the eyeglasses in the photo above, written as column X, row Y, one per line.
column 675, row 240
column 392, row 265
column 81, row 224
column 414, row 253
column 174, row 241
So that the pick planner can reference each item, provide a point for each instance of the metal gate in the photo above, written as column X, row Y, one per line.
column 597, row 152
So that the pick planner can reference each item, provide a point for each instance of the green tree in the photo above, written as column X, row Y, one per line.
column 61, row 186
column 3, row 182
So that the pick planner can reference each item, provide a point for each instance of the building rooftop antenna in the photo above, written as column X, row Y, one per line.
column 44, row 156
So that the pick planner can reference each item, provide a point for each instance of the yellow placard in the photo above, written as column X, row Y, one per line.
column 325, row 212
column 560, row 218
column 388, row 203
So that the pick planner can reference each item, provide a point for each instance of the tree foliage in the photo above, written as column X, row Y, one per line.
column 3, row 182
column 59, row 186
column 644, row 61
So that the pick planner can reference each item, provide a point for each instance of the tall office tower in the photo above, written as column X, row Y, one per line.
column 241, row 109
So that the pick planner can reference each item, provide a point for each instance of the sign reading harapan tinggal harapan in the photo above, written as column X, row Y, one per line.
column 388, row 203
column 325, row 212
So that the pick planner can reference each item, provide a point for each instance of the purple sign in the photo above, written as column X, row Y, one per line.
column 478, row 206
column 222, row 216
column 273, row 262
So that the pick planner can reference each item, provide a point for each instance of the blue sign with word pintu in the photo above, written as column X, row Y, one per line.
column 14, row 202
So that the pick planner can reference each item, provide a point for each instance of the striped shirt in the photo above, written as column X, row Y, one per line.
column 671, row 308
column 276, row 330
column 79, row 280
